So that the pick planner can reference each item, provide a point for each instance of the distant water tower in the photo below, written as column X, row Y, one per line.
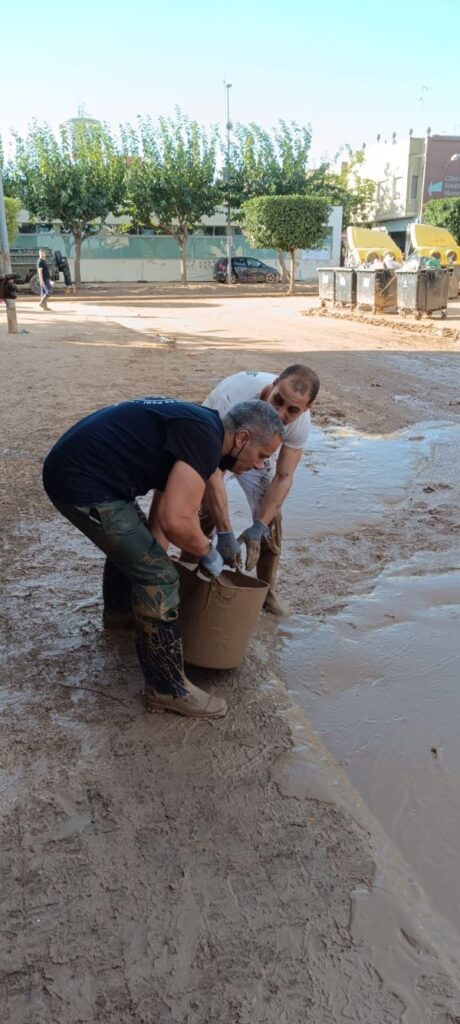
column 82, row 118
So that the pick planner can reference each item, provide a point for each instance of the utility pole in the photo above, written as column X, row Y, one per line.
column 6, row 261
column 229, row 126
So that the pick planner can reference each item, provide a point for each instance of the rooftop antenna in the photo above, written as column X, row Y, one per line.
column 423, row 91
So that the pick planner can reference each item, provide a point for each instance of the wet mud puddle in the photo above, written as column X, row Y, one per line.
column 380, row 681
column 348, row 479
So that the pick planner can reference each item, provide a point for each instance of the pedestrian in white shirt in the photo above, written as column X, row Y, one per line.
column 291, row 393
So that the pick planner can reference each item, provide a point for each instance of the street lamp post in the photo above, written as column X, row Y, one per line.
column 228, row 86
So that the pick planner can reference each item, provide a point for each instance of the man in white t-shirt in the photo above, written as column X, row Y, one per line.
column 291, row 393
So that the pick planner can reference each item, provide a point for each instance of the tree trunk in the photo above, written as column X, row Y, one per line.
column 5, row 262
column 77, row 239
column 11, row 316
column 284, row 273
column 292, row 281
column 183, row 257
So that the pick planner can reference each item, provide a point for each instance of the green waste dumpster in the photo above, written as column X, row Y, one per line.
column 345, row 286
column 376, row 290
column 423, row 291
column 326, row 277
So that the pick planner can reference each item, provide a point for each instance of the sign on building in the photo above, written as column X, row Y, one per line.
column 442, row 167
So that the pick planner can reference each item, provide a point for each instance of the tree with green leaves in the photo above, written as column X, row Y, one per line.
column 77, row 178
column 444, row 213
column 12, row 205
column 171, row 184
column 12, row 208
column 345, row 188
column 287, row 223
column 264, row 163
column 267, row 163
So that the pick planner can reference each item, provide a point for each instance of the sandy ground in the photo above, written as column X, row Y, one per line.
column 156, row 870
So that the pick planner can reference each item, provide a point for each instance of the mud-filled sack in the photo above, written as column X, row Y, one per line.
column 218, row 616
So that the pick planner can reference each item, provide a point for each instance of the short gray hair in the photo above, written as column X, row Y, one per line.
column 260, row 418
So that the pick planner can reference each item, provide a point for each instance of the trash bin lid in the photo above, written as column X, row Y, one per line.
column 362, row 241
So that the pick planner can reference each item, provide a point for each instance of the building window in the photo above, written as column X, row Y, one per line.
column 397, row 188
column 414, row 186
column 219, row 230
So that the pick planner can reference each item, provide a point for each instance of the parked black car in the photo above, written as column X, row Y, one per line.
column 245, row 269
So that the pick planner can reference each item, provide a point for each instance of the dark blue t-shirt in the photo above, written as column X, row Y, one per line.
column 43, row 266
column 124, row 450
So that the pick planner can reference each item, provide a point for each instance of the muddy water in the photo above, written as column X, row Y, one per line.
column 348, row 479
column 380, row 681
column 381, row 685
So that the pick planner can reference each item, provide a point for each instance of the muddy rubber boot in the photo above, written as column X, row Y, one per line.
column 195, row 704
column 166, row 686
column 267, row 568
column 116, row 590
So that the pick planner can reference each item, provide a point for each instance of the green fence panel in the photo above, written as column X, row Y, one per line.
column 111, row 246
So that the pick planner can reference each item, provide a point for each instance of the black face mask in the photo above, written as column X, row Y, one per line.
column 228, row 461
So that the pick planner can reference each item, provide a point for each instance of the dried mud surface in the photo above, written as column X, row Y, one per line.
column 158, row 870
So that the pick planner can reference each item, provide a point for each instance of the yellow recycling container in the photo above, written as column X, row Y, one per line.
column 365, row 244
column 428, row 240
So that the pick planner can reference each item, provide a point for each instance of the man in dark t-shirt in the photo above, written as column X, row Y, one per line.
column 94, row 474
column 44, row 278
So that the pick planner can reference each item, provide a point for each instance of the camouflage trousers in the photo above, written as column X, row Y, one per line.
column 139, row 578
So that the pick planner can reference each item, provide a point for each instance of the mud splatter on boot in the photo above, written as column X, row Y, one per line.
column 166, row 688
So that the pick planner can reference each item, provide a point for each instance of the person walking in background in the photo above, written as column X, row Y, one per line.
column 62, row 264
column 44, row 276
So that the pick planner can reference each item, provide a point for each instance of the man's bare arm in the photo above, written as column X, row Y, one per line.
column 277, row 492
column 178, row 510
column 215, row 498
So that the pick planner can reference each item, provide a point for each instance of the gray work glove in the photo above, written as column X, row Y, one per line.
column 228, row 547
column 213, row 562
column 253, row 537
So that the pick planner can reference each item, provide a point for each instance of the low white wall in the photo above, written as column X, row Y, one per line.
column 135, row 270
column 142, row 270
column 118, row 271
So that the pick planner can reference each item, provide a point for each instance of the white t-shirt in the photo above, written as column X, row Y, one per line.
column 247, row 386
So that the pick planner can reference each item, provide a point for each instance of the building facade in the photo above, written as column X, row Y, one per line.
column 407, row 174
